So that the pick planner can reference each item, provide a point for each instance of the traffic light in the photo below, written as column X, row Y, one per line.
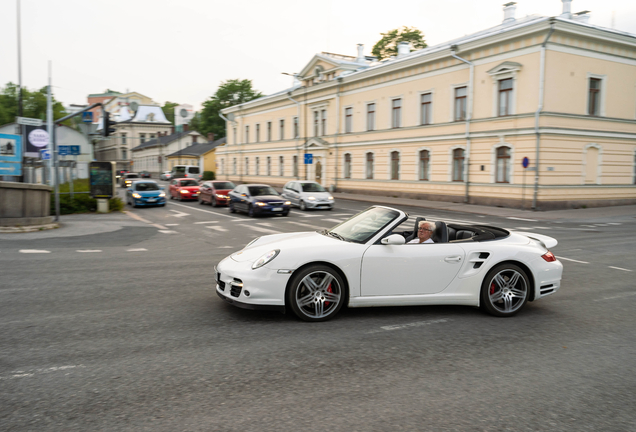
column 108, row 125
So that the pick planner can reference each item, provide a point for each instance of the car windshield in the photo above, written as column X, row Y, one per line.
column 313, row 187
column 189, row 183
column 224, row 185
column 146, row 186
column 194, row 170
column 131, row 176
column 262, row 190
column 361, row 227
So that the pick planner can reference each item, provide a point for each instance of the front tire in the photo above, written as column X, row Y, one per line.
column 302, row 205
column 231, row 206
column 316, row 293
column 213, row 201
column 505, row 290
column 250, row 211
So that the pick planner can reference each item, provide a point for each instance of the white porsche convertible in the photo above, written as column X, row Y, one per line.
column 366, row 261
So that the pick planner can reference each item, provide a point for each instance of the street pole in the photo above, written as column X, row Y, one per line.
column 20, row 103
column 49, row 126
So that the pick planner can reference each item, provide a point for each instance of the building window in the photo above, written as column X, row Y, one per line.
column 247, row 134
column 427, row 106
column 503, row 165
column 348, row 120
column 370, row 116
column 142, row 138
column 395, row 165
column 396, row 113
column 425, row 159
column 269, row 166
column 369, row 165
column 234, row 166
column 124, row 154
column 269, row 131
column 458, row 165
column 282, row 129
column 123, row 139
column 257, row 164
column 295, row 166
column 222, row 166
column 295, row 127
column 152, row 136
column 258, row 133
column 281, row 166
column 323, row 122
column 347, row 165
column 594, row 97
column 460, row 103
column 316, row 123
column 235, row 137
column 505, row 97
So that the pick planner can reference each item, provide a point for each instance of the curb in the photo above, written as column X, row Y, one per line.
column 28, row 229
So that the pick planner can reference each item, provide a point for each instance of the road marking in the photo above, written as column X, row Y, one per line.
column 172, row 224
column 227, row 247
column 614, row 223
column 522, row 219
column 204, row 210
column 139, row 218
column 573, row 260
column 619, row 268
column 333, row 220
column 313, row 227
column 33, row 372
column 266, row 224
column 34, row 251
column 306, row 215
column 543, row 228
column 343, row 214
column 259, row 229
column 179, row 214
column 410, row 325
column 589, row 226
column 88, row 250
column 205, row 222
column 168, row 232
column 218, row 228
column 600, row 224
column 617, row 296
column 523, row 228
column 137, row 250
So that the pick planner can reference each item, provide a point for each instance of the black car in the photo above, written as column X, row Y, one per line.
column 144, row 174
column 256, row 199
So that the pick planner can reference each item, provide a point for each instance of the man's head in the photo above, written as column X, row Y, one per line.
column 425, row 230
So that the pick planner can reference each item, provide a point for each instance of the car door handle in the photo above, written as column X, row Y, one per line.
column 456, row 258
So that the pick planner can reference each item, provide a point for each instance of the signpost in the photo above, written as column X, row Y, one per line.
column 524, row 163
column 309, row 158
column 45, row 154
column 87, row 117
column 28, row 121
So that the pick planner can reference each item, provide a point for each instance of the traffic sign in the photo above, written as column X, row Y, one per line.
column 309, row 158
column 75, row 150
column 87, row 117
column 29, row 121
column 63, row 150
column 45, row 154
column 525, row 162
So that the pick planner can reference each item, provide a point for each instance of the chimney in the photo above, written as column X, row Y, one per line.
column 185, row 127
column 171, row 130
column 509, row 12
column 567, row 9
column 403, row 49
column 194, row 139
column 583, row 16
column 210, row 136
column 360, row 58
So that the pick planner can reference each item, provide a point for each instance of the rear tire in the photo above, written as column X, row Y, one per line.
column 505, row 290
column 200, row 200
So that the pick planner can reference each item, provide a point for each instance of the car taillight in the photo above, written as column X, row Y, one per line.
column 185, row 175
column 548, row 256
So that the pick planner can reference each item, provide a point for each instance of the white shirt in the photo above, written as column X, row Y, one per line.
column 417, row 240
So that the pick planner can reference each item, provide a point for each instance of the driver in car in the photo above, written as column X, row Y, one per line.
column 424, row 233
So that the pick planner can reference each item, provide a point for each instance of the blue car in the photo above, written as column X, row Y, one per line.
column 257, row 199
column 145, row 193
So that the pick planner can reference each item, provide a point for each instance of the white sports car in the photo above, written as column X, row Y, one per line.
column 366, row 261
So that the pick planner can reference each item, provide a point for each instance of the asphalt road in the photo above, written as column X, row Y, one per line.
column 122, row 330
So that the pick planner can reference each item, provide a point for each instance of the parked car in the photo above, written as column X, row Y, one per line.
column 127, row 179
column 366, row 262
column 186, row 171
column 120, row 173
column 166, row 175
column 145, row 193
column 216, row 192
column 308, row 195
column 256, row 199
column 183, row 189
column 144, row 174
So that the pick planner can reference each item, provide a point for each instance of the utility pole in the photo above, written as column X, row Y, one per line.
column 20, row 104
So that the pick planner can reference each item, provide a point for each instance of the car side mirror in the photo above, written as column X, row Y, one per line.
column 393, row 239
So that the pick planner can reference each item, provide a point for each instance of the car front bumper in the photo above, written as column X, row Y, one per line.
column 316, row 204
column 147, row 202
column 271, row 209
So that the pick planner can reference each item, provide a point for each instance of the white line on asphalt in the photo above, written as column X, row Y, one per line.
column 600, row 224
column 573, row 260
column 204, row 210
column 217, row 228
column 619, row 268
column 172, row 224
column 410, row 325
column 522, row 219
column 310, row 216
column 342, row 214
column 34, row 251
column 259, row 229
column 88, row 250
column 168, row 232
column 588, row 226
column 543, row 228
column 33, row 372
column 179, row 214
column 617, row 296
column 614, row 223
column 266, row 224
column 523, row 228
column 139, row 218
column 227, row 247
column 313, row 227
column 137, row 250
column 333, row 220
column 205, row 222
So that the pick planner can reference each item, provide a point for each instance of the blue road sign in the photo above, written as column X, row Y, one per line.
column 309, row 158
column 10, row 155
column 75, row 150
column 525, row 162
column 87, row 117
column 63, row 150
column 45, row 154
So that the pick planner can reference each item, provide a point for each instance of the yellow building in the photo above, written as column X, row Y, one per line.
column 202, row 155
column 455, row 121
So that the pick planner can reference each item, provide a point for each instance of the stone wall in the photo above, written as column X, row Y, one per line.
column 24, row 204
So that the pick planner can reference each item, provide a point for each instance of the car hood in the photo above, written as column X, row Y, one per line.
column 317, row 195
column 189, row 188
column 149, row 193
column 222, row 191
column 268, row 198
column 288, row 243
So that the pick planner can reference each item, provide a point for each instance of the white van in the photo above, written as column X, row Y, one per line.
column 187, row 171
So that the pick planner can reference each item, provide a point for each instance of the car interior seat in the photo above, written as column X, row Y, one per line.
column 440, row 235
column 464, row 234
column 417, row 224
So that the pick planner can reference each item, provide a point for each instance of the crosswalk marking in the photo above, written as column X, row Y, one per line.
column 217, row 228
column 167, row 232
column 33, row 251
column 313, row 227
column 206, row 222
column 333, row 220
column 260, row 229
column 89, row 250
column 137, row 250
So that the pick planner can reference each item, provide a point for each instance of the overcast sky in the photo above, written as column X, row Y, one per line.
column 181, row 50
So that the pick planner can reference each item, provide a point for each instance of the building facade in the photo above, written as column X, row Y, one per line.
column 457, row 121
column 153, row 155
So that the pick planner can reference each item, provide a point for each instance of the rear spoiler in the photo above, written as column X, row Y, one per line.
column 547, row 241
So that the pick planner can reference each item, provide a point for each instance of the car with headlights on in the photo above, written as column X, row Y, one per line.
column 216, row 192
column 183, row 189
column 308, row 195
column 145, row 193
column 258, row 199
column 127, row 179
column 367, row 261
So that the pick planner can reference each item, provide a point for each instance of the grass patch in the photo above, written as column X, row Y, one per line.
column 82, row 202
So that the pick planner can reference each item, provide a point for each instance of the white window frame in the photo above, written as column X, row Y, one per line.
column 419, row 108
column 375, row 115
column 344, row 118
column 603, row 98
column 493, row 162
column 417, row 163
column 599, row 167
column 391, row 99
column 451, row 163
column 257, row 132
column 399, row 176
column 257, row 165
column 281, row 134
column 452, row 101
column 344, row 166
column 281, row 166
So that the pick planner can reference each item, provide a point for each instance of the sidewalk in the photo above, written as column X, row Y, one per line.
column 597, row 213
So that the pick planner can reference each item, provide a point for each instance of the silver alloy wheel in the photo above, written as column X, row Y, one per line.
column 507, row 291
column 303, row 207
column 318, row 294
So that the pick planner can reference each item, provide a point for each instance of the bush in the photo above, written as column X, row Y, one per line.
column 83, row 203
column 208, row 175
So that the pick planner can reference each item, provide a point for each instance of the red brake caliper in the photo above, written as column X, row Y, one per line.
column 329, row 291
column 492, row 288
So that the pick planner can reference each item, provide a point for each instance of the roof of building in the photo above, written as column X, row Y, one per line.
column 108, row 92
column 199, row 149
column 164, row 140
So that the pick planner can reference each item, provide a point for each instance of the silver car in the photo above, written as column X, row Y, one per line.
column 308, row 195
column 166, row 175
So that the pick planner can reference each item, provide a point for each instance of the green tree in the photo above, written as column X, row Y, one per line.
column 168, row 110
column 387, row 46
column 231, row 92
column 33, row 104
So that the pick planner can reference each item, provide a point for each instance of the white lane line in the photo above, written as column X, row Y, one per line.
column 614, row 223
column 313, row 227
column 522, row 219
column 168, row 232
column 179, row 214
column 523, row 228
column 32, row 372
column 343, row 214
column 227, row 247
column 88, row 250
column 600, row 224
column 619, row 268
column 205, row 222
column 139, row 218
column 589, row 226
column 265, row 224
column 34, row 251
column 333, row 220
column 217, row 228
column 542, row 228
column 172, row 224
column 617, row 296
column 262, row 230
column 309, row 216
column 137, row 250
column 204, row 211
column 409, row 325
column 573, row 260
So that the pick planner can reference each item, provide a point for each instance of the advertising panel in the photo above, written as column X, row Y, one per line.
column 102, row 179
column 10, row 155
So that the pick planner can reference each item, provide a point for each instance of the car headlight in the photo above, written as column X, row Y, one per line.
column 287, row 202
column 184, row 191
column 162, row 194
column 265, row 258
column 260, row 204
column 136, row 195
column 330, row 198
column 311, row 198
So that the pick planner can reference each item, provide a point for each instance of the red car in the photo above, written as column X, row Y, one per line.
column 184, row 188
column 215, row 192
